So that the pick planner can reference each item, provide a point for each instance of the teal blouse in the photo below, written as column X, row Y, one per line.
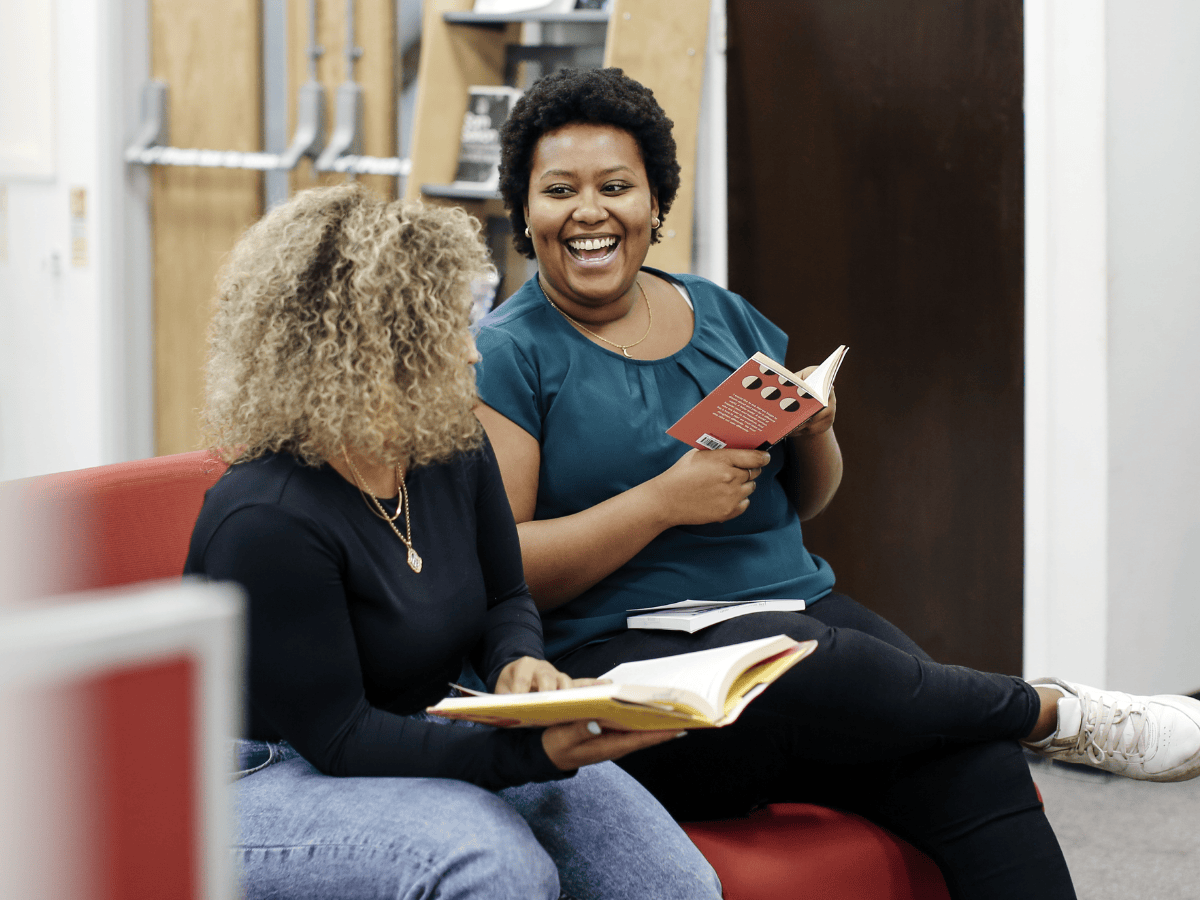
column 601, row 420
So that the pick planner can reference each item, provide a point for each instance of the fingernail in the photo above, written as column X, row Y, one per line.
column 681, row 734
column 593, row 727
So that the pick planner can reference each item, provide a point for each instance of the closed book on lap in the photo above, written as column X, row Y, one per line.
column 705, row 689
column 693, row 615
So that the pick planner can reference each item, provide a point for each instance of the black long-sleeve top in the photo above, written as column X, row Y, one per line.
column 345, row 640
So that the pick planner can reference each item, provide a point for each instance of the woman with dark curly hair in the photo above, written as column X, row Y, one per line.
column 583, row 370
column 364, row 515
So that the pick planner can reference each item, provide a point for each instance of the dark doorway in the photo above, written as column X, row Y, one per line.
column 876, row 200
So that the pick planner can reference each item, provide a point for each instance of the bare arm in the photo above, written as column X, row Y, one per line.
column 563, row 557
column 813, row 470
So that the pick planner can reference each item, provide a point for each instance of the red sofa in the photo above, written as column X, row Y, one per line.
column 131, row 522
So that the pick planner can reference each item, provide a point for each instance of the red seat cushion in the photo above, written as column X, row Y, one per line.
column 800, row 850
column 116, row 524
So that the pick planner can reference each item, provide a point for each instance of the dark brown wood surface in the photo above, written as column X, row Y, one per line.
column 876, row 200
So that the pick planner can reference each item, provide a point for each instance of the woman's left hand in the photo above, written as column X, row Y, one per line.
column 527, row 675
column 822, row 421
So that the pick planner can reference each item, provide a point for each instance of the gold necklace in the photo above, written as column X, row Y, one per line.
column 624, row 348
column 414, row 558
column 373, row 502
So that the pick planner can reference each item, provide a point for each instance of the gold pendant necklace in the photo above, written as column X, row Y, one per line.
column 624, row 348
column 414, row 558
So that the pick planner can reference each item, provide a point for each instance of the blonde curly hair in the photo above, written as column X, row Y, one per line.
column 342, row 320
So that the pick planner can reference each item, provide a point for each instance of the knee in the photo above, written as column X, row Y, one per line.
column 489, row 853
column 371, row 838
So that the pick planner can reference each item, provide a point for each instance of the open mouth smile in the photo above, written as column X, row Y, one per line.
column 592, row 249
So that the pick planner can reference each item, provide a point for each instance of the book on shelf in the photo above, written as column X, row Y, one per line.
column 693, row 615
column 479, row 147
column 704, row 689
column 756, row 406
column 515, row 7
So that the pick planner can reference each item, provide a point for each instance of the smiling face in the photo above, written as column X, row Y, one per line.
column 589, row 209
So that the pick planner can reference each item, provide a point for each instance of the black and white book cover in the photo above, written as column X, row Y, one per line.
column 479, row 150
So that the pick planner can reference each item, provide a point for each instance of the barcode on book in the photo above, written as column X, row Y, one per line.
column 710, row 442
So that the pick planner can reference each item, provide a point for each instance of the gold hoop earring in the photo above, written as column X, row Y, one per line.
column 654, row 222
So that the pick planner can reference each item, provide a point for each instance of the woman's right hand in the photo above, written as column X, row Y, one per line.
column 565, row 556
column 706, row 486
column 573, row 744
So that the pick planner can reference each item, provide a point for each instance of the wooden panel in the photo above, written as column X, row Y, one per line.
column 876, row 200
column 662, row 46
column 453, row 57
column 377, row 72
column 209, row 55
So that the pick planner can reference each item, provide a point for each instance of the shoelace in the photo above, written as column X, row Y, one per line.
column 1103, row 733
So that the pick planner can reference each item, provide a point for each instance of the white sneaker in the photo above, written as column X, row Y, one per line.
column 1148, row 738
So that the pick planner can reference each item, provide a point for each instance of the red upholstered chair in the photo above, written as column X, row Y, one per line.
column 132, row 521
column 117, row 524
column 800, row 850
column 150, row 673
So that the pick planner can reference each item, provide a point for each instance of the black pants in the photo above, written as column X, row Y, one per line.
column 868, row 723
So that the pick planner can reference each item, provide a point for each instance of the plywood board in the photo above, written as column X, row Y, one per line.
column 208, row 54
column 662, row 46
column 377, row 72
column 453, row 57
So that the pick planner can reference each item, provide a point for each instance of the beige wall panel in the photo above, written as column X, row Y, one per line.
column 453, row 57
column 376, row 71
column 208, row 54
column 661, row 44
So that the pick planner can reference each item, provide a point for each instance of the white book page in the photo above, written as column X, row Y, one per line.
column 703, row 672
column 819, row 382
column 703, row 616
column 689, row 604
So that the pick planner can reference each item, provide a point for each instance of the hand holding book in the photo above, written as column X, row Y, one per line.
column 570, row 745
column 822, row 419
column 705, row 689
column 758, row 405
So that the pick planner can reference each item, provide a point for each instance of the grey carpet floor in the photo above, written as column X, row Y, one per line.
column 1123, row 839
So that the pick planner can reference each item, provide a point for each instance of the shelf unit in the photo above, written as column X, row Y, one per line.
column 661, row 44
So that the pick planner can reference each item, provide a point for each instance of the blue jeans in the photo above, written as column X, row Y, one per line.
column 597, row 836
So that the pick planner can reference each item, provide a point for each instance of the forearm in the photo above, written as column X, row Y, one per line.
column 564, row 557
column 813, row 473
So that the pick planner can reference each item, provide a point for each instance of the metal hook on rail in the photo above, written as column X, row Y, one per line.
column 149, row 147
column 343, row 153
column 347, row 134
column 153, row 130
column 309, row 138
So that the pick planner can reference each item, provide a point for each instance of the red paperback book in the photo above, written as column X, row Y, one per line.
column 756, row 406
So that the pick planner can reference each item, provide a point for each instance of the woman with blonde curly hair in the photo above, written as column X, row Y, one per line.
column 364, row 515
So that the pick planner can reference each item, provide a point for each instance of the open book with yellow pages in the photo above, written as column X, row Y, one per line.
column 705, row 689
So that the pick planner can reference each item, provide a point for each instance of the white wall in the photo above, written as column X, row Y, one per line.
column 74, row 349
column 1153, row 143
column 1066, row 448
column 1112, row 316
column 710, row 244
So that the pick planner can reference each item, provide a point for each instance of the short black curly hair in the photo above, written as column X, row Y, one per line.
column 600, row 96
